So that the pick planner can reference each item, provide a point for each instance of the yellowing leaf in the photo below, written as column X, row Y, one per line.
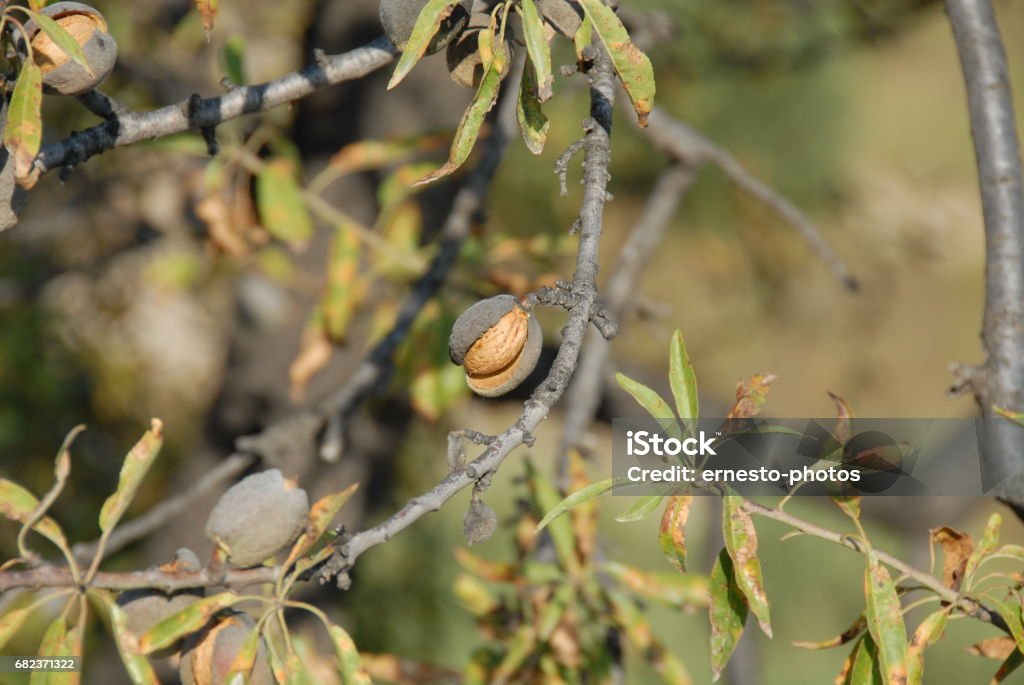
column 727, row 611
column 741, row 543
column 339, row 303
column 133, row 470
column 926, row 635
column 23, row 133
column 672, row 532
column 885, row 621
column 631, row 64
column 208, row 13
column 987, row 544
column 349, row 663
column 139, row 670
column 188, row 620
column 427, row 24
column 539, row 65
column 957, row 548
column 847, row 635
column 684, row 590
column 18, row 504
column 283, row 211
column 321, row 515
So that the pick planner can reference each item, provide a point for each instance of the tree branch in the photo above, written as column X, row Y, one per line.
column 124, row 128
column 683, row 143
column 597, row 157
column 997, row 152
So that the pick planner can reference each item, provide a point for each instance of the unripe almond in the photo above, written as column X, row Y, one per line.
column 88, row 28
column 398, row 17
column 258, row 517
column 498, row 343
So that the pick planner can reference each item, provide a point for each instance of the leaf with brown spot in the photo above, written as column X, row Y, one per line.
column 727, row 611
column 187, row 621
column 23, row 133
column 999, row 647
column 138, row 668
column 585, row 515
column 672, row 533
column 1010, row 610
column 957, row 548
column 631, row 64
column 751, row 396
column 927, row 634
column 741, row 542
column 427, row 25
column 844, row 419
column 135, row 467
column 641, row 636
column 686, row 590
column 885, row 621
column 1012, row 663
column 341, row 293
column 851, row 633
column 987, row 544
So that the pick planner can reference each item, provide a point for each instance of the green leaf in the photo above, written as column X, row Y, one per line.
column 651, row 401
column 282, row 209
column 52, row 645
column 518, row 648
column 1012, row 663
column 133, row 470
column 641, row 509
column 1016, row 417
column 631, row 64
column 727, row 611
column 987, row 544
column 885, row 621
column 533, row 123
column 579, row 497
column 866, row 667
column 349, row 663
column 62, row 39
column 741, row 543
column 234, row 59
column 1011, row 613
column 188, row 620
column 320, row 517
column 583, row 37
column 546, row 499
column 341, row 297
column 672, row 532
column 241, row 667
column 926, row 635
column 139, row 670
column 10, row 622
column 684, row 382
column 23, row 133
column 851, row 633
column 538, row 49
column 427, row 24
column 473, row 118
column 18, row 504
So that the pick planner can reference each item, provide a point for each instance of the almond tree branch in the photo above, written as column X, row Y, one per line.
column 686, row 144
column 997, row 152
column 124, row 127
column 597, row 157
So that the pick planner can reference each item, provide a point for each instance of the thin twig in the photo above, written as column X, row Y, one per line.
column 685, row 144
column 597, row 156
column 997, row 151
column 124, row 128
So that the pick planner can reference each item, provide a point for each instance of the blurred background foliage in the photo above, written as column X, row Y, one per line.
column 117, row 304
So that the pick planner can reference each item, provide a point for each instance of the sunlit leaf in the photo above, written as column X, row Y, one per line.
column 866, row 667
column 234, row 59
column 579, row 497
column 686, row 590
column 52, row 645
column 641, row 635
column 10, row 622
column 547, row 499
column 683, row 380
column 583, row 38
column 62, row 39
column 282, row 210
column 139, row 670
column 518, row 648
column 631, row 64
column 18, row 504
column 751, row 395
column 1017, row 417
column 1010, row 611
column 244, row 660
column 741, row 542
column 349, row 663
column 135, row 467
column 672, row 532
column 427, row 24
column 473, row 118
column 885, row 621
column 651, row 401
column 23, row 133
column 188, row 620
column 989, row 541
column 321, row 515
column 727, row 611
column 641, row 509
